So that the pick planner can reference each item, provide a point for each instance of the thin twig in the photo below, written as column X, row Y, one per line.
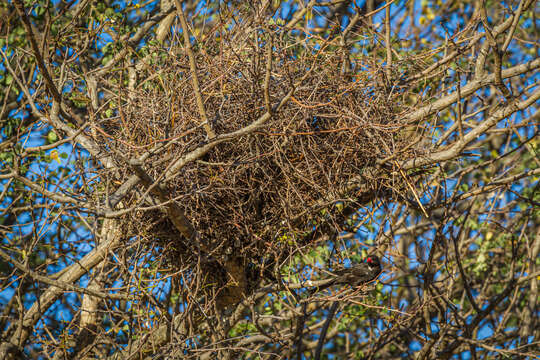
column 193, row 68
column 388, row 44
column 268, row 72
column 460, row 125
column 324, row 330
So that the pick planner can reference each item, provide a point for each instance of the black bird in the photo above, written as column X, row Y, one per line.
column 357, row 275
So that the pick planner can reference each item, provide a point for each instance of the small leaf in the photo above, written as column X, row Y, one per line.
column 52, row 137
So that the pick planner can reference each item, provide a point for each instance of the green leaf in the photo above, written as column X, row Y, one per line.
column 52, row 137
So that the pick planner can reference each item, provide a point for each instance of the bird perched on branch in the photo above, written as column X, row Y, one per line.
column 357, row 275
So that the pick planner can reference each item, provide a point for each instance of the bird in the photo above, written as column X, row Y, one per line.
column 356, row 275
column 359, row 274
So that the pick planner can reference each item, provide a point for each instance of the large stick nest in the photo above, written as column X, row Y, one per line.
column 266, row 191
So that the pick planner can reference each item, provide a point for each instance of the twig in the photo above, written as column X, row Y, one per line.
column 193, row 67
column 460, row 125
column 411, row 188
column 460, row 266
column 456, row 148
column 497, row 55
column 59, row 284
column 41, row 64
column 388, row 44
column 267, row 76
column 515, row 22
column 324, row 330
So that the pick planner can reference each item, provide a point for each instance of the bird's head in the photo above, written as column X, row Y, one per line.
column 373, row 261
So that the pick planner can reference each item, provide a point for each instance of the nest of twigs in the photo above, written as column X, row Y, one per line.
column 267, row 192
